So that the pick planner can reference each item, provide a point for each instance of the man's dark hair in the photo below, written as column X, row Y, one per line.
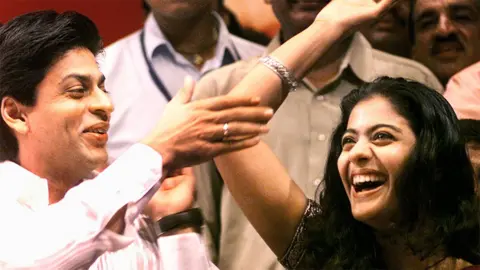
column 146, row 8
column 30, row 45
column 470, row 130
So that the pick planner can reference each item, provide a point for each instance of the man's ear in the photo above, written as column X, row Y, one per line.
column 14, row 114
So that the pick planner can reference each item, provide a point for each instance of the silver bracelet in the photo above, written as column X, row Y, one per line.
column 282, row 72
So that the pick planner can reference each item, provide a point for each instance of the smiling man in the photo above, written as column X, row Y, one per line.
column 447, row 35
column 55, row 111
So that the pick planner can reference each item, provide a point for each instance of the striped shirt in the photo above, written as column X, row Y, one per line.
column 71, row 234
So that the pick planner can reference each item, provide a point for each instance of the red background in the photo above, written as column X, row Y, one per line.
column 114, row 18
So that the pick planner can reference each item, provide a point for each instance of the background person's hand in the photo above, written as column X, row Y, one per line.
column 352, row 13
column 176, row 194
column 190, row 133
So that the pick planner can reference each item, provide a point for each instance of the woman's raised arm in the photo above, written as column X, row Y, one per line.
column 272, row 202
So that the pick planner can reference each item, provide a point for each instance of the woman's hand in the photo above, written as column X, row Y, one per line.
column 351, row 13
column 176, row 194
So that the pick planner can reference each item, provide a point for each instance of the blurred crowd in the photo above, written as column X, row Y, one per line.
column 350, row 140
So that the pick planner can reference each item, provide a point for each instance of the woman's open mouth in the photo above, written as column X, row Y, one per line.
column 362, row 183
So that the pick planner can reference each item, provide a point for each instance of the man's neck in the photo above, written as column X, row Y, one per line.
column 190, row 35
column 328, row 66
column 59, row 180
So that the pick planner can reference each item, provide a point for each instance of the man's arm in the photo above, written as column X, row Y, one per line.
column 181, row 247
column 72, row 233
column 184, row 251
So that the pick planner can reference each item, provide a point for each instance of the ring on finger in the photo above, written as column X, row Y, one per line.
column 225, row 130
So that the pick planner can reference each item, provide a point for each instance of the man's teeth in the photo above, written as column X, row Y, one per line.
column 98, row 130
column 360, row 179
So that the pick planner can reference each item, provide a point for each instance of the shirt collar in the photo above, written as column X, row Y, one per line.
column 27, row 188
column 154, row 38
column 359, row 57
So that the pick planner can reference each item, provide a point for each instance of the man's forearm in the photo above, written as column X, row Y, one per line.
column 72, row 233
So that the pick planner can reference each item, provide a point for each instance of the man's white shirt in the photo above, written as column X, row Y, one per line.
column 71, row 233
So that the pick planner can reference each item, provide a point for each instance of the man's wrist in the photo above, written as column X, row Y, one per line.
column 187, row 221
column 165, row 150
column 190, row 220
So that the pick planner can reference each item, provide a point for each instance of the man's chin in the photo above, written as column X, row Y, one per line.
column 445, row 71
column 98, row 160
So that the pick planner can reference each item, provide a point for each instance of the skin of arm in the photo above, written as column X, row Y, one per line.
column 268, row 197
column 261, row 186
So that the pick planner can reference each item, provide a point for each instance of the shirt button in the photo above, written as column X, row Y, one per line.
column 322, row 137
column 317, row 181
column 320, row 98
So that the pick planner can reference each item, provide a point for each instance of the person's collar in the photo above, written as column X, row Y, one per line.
column 155, row 38
column 224, row 39
column 27, row 188
column 359, row 57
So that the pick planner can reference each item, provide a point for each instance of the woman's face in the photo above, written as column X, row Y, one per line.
column 375, row 146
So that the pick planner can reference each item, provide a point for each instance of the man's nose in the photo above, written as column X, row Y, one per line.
column 101, row 104
column 445, row 26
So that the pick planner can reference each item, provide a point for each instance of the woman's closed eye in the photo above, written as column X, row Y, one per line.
column 382, row 137
column 347, row 142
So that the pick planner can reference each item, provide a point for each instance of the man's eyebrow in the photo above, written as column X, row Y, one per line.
column 84, row 79
column 80, row 77
column 425, row 14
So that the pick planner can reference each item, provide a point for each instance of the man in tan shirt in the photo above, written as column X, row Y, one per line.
column 299, row 132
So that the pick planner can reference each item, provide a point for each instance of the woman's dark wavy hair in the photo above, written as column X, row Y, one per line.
column 470, row 129
column 437, row 202
column 29, row 45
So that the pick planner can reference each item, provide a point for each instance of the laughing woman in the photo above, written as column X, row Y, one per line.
column 398, row 186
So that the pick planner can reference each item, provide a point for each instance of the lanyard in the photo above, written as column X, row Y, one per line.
column 228, row 59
